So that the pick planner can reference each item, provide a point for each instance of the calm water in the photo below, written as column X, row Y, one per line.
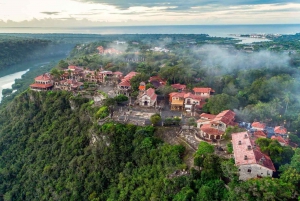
column 7, row 81
column 212, row 30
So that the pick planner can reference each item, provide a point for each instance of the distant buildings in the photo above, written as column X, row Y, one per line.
column 112, row 51
column 252, row 163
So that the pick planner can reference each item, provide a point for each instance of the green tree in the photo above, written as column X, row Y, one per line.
column 221, row 102
column 155, row 118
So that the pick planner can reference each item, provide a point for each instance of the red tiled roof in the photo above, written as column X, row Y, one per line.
column 178, row 95
column 42, row 86
column 124, row 83
column 227, row 117
column 207, row 116
column 193, row 96
column 130, row 75
column 118, row 73
column 44, row 77
column 259, row 134
column 203, row 90
column 179, row 86
column 151, row 93
column 280, row 130
column 258, row 125
column 206, row 128
column 254, row 155
column 279, row 139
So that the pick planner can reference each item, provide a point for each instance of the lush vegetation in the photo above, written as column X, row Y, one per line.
column 53, row 149
column 14, row 50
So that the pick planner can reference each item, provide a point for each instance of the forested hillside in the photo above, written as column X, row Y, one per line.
column 51, row 148
column 13, row 50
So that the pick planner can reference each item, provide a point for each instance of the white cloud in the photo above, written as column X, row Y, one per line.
column 21, row 10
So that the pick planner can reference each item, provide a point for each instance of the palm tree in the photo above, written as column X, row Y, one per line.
column 287, row 99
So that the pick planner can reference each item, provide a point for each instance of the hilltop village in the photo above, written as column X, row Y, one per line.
column 153, row 117
column 182, row 104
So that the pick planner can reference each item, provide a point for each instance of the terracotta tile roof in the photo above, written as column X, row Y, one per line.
column 193, row 96
column 280, row 139
column 280, row 130
column 203, row 90
column 106, row 72
column 179, row 86
column 130, row 75
column 125, row 83
column 241, row 141
column 44, row 77
column 151, row 93
column 259, row 134
column 178, row 95
column 118, row 73
column 42, row 86
column 207, row 116
column 227, row 117
column 206, row 128
column 258, row 125
column 75, row 68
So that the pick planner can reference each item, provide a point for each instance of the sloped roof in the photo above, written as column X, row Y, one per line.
column 280, row 130
column 193, row 96
column 125, row 83
column 203, row 90
column 130, row 75
column 178, row 95
column 259, row 134
column 42, row 86
column 279, row 139
column 207, row 116
column 118, row 73
column 254, row 155
column 151, row 93
column 179, row 86
column 227, row 117
column 258, row 125
column 206, row 128
column 44, row 77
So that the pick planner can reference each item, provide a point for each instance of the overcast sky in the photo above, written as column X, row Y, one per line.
column 147, row 12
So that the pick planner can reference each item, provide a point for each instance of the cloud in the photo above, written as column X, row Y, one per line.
column 182, row 5
column 50, row 13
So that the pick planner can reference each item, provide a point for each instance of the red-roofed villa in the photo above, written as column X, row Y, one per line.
column 252, row 163
column 42, row 83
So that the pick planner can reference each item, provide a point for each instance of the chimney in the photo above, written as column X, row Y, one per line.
column 240, row 142
column 249, row 147
column 246, row 135
column 245, row 157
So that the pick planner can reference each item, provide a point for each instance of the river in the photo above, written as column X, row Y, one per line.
column 8, row 76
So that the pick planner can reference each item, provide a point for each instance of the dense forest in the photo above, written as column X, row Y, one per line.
column 52, row 148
